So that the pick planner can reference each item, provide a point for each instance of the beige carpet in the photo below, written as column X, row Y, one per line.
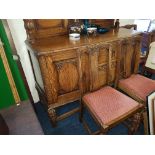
column 22, row 120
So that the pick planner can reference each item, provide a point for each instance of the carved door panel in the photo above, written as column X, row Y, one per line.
column 64, row 77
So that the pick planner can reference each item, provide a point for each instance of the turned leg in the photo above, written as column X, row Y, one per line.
column 53, row 117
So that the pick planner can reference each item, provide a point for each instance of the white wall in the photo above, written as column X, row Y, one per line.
column 19, row 36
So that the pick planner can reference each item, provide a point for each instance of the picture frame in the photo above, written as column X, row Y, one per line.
column 151, row 112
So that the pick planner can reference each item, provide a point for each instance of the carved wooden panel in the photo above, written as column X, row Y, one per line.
column 46, row 23
column 113, row 57
column 113, row 71
column 47, row 84
column 85, row 69
column 43, row 28
column 103, row 56
column 68, row 77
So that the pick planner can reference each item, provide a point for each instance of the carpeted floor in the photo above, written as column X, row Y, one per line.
column 71, row 125
column 22, row 119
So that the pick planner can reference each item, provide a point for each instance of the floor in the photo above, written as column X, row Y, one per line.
column 26, row 120
column 22, row 120
column 72, row 126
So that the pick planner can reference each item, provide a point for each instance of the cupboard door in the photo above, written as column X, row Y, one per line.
column 63, row 79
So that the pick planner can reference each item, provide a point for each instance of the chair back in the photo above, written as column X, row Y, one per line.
column 129, row 57
column 102, row 62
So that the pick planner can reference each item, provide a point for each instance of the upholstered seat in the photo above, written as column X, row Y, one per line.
column 109, row 105
column 137, row 86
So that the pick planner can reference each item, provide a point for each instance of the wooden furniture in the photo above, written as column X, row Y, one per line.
column 43, row 28
column 107, row 105
column 133, row 84
column 61, row 75
column 4, row 130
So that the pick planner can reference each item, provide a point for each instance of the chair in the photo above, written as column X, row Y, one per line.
column 131, row 83
column 107, row 106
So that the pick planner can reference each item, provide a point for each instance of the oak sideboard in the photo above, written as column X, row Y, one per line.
column 61, row 66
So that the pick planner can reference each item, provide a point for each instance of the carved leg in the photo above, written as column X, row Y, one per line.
column 135, row 123
column 53, row 117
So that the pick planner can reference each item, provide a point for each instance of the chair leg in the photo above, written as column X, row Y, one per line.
column 81, row 112
column 135, row 123
column 104, row 131
column 53, row 116
column 145, row 122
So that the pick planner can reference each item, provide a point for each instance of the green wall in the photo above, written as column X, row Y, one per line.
column 6, row 96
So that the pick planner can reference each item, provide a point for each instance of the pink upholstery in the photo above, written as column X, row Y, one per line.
column 108, row 104
column 137, row 85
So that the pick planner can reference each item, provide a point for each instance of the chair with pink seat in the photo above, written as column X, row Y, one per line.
column 135, row 85
column 106, row 105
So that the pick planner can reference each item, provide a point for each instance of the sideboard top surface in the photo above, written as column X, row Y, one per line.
column 58, row 43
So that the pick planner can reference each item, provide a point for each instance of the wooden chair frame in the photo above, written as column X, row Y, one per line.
column 104, row 128
column 135, row 63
